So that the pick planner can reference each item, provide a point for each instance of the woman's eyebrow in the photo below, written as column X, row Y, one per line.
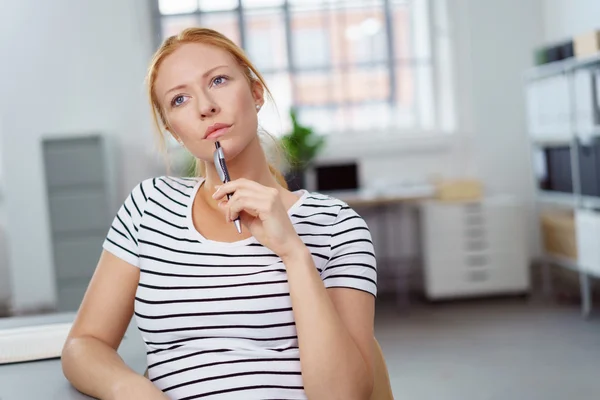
column 204, row 75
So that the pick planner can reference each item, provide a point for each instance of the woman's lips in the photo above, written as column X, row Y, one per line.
column 217, row 133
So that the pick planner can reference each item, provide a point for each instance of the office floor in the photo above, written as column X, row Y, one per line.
column 490, row 350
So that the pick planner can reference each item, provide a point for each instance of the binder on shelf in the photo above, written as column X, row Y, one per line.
column 540, row 168
column 584, row 101
column 559, row 171
column 589, row 168
column 567, row 49
column 560, row 51
column 587, row 224
column 548, row 107
column 534, row 108
column 559, row 97
column 596, row 100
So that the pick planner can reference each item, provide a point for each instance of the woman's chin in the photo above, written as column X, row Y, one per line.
column 232, row 146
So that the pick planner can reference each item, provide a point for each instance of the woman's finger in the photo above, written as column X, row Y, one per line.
column 228, row 188
column 240, row 184
column 245, row 193
column 250, row 204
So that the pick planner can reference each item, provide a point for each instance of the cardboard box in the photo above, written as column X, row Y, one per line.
column 559, row 233
column 587, row 44
column 459, row 190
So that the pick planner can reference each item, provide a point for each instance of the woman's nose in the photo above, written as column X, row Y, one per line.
column 208, row 109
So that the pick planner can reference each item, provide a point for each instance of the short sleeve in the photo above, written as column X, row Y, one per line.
column 122, row 237
column 352, row 261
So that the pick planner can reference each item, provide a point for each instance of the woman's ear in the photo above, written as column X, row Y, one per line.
column 258, row 93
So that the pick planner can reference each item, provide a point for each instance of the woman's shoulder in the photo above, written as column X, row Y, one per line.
column 322, row 199
column 326, row 201
column 335, row 214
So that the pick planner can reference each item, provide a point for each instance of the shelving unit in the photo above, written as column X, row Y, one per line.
column 567, row 128
column 556, row 199
column 561, row 67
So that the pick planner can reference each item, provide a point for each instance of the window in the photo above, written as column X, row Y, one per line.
column 346, row 65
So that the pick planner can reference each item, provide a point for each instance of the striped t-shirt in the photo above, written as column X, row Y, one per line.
column 217, row 317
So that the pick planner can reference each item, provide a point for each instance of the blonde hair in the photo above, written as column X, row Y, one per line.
column 210, row 37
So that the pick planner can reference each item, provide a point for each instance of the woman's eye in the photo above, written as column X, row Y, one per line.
column 219, row 80
column 177, row 101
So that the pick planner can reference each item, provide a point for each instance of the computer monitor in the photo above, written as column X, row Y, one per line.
column 336, row 177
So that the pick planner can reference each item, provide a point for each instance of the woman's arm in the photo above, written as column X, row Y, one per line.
column 335, row 333
column 89, row 357
column 335, row 325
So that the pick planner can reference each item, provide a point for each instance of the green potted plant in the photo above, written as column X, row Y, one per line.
column 301, row 145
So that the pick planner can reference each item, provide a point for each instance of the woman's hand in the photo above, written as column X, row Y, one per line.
column 262, row 212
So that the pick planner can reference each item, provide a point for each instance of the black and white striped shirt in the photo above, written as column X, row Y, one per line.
column 217, row 317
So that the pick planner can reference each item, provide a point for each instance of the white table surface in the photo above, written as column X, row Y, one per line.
column 37, row 380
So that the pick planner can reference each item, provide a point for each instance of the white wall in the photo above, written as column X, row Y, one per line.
column 69, row 67
column 4, row 273
column 498, row 38
column 566, row 18
column 499, row 43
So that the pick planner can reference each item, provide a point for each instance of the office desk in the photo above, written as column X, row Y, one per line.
column 366, row 198
column 44, row 379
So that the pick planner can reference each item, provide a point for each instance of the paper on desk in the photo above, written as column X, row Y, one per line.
column 33, row 342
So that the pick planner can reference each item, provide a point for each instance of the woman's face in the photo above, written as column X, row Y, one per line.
column 206, row 97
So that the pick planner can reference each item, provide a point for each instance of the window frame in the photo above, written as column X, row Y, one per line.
column 398, row 134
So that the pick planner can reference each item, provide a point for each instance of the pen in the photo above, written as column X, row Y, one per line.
column 219, row 160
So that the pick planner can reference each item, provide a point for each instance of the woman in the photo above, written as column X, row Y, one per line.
column 283, row 310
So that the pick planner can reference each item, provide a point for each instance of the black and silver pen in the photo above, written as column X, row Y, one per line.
column 221, row 167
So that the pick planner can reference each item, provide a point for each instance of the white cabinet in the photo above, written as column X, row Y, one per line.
column 474, row 248
column 79, row 188
column 587, row 223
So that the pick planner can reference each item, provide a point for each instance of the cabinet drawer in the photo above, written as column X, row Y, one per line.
column 487, row 273
column 453, row 218
column 72, row 162
column 458, row 260
column 450, row 277
column 81, row 211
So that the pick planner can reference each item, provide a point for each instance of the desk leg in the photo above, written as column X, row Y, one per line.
column 386, row 225
column 402, row 265
column 547, row 286
column 382, row 235
column 586, row 294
